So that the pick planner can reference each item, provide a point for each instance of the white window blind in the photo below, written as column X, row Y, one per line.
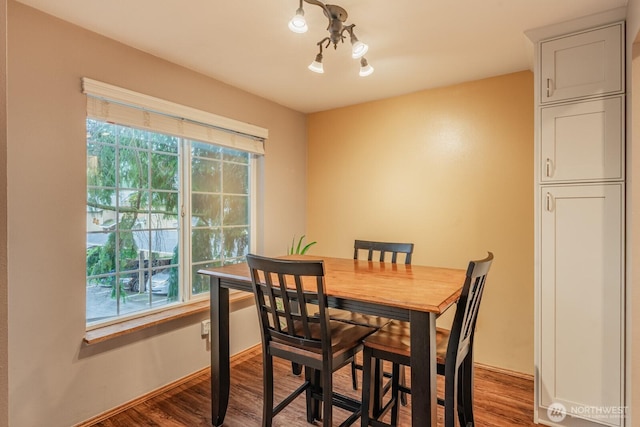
column 113, row 104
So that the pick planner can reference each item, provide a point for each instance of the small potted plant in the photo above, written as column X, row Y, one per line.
column 299, row 249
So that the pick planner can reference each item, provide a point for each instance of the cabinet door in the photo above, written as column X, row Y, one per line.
column 581, row 301
column 582, row 141
column 583, row 64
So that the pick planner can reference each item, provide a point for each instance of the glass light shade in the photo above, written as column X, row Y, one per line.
column 358, row 49
column 316, row 67
column 365, row 68
column 298, row 24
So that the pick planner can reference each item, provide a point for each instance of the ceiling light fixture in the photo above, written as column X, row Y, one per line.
column 365, row 68
column 337, row 17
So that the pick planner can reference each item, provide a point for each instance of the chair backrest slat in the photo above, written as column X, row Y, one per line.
column 383, row 248
column 282, row 289
column 468, row 306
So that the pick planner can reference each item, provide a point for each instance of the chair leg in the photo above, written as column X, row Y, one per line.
column 466, row 390
column 403, row 381
column 354, row 377
column 367, row 394
column 327, row 397
column 311, row 403
column 267, row 386
column 317, row 403
column 395, row 391
column 450, row 396
column 296, row 369
column 460, row 397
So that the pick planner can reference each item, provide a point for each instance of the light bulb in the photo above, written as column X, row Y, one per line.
column 358, row 49
column 316, row 66
column 298, row 24
column 365, row 68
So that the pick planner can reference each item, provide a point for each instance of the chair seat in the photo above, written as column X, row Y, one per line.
column 344, row 336
column 358, row 318
column 396, row 338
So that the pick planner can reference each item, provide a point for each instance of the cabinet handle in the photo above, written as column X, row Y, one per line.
column 549, row 88
column 548, row 167
column 549, row 202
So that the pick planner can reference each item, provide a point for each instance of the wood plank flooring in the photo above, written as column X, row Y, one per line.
column 501, row 400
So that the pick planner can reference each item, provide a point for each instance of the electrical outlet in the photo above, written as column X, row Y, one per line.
column 205, row 327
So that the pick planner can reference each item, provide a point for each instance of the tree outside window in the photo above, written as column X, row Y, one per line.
column 139, row 183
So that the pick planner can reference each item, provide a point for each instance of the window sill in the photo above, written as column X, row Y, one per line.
column 129, row 326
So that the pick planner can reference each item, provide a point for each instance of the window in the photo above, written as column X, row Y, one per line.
column 160, row 206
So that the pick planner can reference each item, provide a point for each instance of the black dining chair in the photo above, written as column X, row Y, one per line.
column 454, row 355
column 283, row 289
column 375, row 251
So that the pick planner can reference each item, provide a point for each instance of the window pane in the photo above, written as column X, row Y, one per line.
column 164, row 285
column 164, row 172
column 236, row 178
column 206, row 244
column 236, row 242
column 236, row 210
column 164, row 143
column 133, row 168
column 127, row 252
column 209, row 151
column 205, row 175
column 164, row 210
column 101, row 160
column 205, row 209
column 99, row 205
column 133, row 137
column 133, row 207
column 101, row 132
column 100, row 255
column 199, row 282
column 163, row 245
column 236, row 156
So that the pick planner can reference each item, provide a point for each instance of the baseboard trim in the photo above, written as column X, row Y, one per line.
column 504, row 371
column 236, row 358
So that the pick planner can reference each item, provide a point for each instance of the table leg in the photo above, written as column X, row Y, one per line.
column 220, row 377
column 423, row 369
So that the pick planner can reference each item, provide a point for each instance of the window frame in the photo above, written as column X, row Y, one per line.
column 232, row 136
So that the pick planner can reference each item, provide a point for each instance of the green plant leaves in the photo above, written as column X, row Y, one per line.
column 299, row 249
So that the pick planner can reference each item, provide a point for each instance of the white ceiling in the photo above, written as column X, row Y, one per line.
column 413, row 44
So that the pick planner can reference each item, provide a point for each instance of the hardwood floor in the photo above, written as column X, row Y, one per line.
column 501, row 400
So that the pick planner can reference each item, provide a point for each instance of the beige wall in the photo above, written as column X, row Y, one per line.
column 54, row 379
column 449, row 169
column 4, row 331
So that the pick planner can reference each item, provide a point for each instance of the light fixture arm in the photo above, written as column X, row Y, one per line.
column 317, row 3
column 326, row 39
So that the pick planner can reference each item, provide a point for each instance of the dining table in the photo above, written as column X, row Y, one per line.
column 414, row 293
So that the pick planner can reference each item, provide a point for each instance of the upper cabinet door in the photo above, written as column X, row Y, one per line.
column 582, row 141
column 582, row 65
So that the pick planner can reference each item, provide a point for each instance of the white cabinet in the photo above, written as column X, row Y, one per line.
column 581, row 300
column 582, row 141
column 583, row 64
column 579, row 229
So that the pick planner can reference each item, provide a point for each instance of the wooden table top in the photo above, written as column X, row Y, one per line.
column 412, row 287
